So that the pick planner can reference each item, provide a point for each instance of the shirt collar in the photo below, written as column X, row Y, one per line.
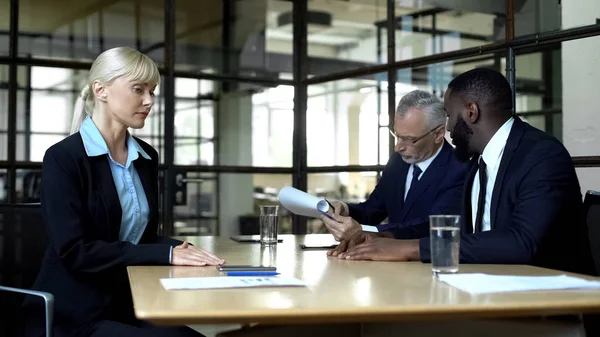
column 425, row 163
column 95, row 145
column 495, row 147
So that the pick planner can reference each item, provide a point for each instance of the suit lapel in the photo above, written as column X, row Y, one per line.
column 108, row 193
column 402, row 182
column 509, row 150
column 467, row 207
column 431, row 175
column 144, row 170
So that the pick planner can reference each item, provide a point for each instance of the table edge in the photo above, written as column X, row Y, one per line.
column 422, row 313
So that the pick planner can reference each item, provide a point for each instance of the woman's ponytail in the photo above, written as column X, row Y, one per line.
column 79, row 111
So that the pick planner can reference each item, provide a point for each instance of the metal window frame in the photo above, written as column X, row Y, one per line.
column 299, row 169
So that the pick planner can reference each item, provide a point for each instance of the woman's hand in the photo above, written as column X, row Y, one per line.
column 188, row 255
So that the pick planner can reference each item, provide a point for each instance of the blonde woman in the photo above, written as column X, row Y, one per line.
column 100, row 206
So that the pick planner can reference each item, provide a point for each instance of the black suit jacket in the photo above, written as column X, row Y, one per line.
column 85, row 263
column 536, row 208
column 437, row 192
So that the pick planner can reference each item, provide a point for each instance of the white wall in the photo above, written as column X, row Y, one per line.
column 580, row 78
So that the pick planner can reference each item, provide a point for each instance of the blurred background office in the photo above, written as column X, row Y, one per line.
column 260, row 94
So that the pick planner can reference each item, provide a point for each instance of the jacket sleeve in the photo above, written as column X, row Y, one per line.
column 447, row 201
column 65, row 214
column 168, row 241
column 374, row 210
column 542, row 193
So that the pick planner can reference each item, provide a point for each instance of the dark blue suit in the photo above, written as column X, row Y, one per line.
column 536, row 208
column 438, row 191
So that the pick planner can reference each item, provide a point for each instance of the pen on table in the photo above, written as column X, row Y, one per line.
column 252, row 273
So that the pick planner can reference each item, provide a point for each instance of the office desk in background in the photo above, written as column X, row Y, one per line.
column 338, row 291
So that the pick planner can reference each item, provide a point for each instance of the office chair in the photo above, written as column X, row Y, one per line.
column 24, row 242
column 32, row 184
column 591, row 206
column 48, row 305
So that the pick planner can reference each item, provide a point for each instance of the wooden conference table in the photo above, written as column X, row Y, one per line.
column 337, row 291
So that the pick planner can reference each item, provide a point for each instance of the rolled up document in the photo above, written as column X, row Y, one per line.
column 302, row 203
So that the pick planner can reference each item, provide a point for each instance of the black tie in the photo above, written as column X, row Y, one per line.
column 481, row 198
column 416, row 173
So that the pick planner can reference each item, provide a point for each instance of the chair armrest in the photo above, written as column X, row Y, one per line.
column 48, row 303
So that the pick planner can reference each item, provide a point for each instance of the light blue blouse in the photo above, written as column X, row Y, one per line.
column 134, row 205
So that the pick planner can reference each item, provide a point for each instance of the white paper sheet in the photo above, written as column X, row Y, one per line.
column 484, row 283
column 302, row 203
column 229, row 282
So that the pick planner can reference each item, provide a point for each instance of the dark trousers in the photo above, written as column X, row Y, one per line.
column 141, row 329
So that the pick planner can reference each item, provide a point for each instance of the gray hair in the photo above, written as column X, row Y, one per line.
column 429, row 103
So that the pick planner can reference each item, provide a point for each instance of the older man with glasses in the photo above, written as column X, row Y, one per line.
column 422, row 178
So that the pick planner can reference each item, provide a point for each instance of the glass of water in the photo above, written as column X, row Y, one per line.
column 268, row 224
column 268, row 255
column 445, row 243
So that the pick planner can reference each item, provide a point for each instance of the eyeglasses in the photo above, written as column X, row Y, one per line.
column 412, row 140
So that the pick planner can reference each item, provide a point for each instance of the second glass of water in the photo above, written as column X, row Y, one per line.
column 268, row 224
column 445, row 243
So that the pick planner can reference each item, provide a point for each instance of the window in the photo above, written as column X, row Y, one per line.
column 3, row 112
column 342, row 122
column 45, row 102
column 256, row 43
column 350, row 187
column 343, row 35
column 273, row 127
column 78, row 31
column 538, row 16
column 4, row 26
column 194, row 122
column 229, row 202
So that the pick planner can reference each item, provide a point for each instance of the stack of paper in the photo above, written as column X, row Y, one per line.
column 485, row 283
column 229, row 282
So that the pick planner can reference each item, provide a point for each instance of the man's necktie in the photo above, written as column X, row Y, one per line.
column 477, row 227
column 415, row 178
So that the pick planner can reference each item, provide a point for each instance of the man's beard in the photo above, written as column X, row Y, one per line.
column 461, row 135
column 410, row 160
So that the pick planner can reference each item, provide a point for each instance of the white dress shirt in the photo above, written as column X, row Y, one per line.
column 423, row 166
column 492, row 155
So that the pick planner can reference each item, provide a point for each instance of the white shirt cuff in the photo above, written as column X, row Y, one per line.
column 171, row 255
column 366, row 228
